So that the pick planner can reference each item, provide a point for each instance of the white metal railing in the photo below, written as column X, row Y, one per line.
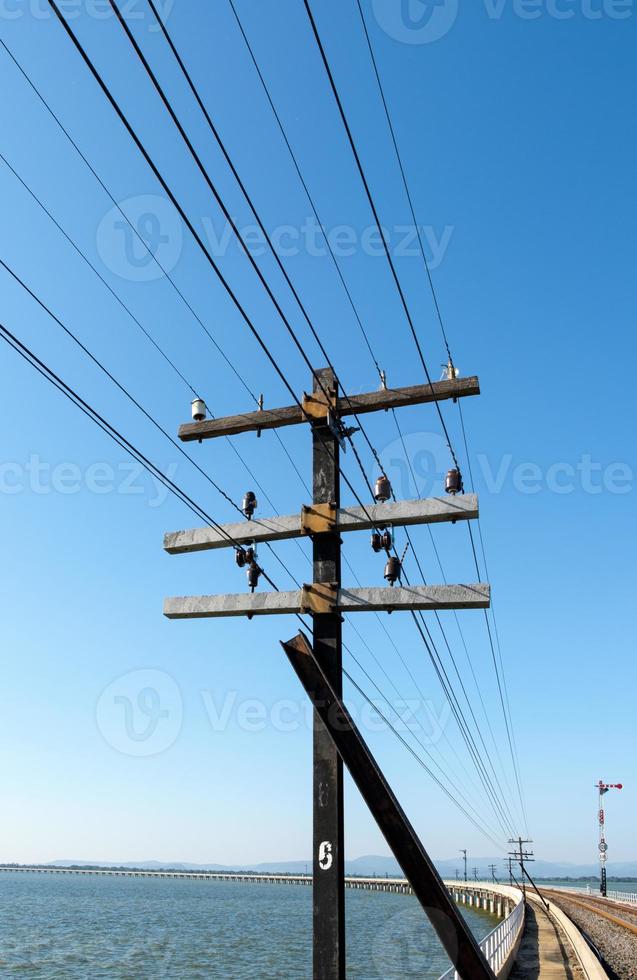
column 629, row 897
column 498, row 944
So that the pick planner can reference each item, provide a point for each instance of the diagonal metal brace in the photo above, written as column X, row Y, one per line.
column 453, row 932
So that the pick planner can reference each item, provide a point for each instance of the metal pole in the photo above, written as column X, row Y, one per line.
column 522, row 868
column 464, row 854
column 329, row 857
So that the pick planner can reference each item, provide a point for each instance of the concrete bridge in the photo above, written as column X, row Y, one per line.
column 528, row 940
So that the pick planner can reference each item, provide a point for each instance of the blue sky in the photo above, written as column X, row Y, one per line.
column 124, row 736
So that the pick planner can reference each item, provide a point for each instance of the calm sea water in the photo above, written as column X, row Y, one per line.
column 616, row 886
column 63, row 927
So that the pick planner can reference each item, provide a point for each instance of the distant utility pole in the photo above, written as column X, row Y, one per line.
column 475, row 874
column 463, row 851
column 324, row 522
column 457, row 875
column 522, row 857
column 509, row 860
column 492, row 869
column 603, row 788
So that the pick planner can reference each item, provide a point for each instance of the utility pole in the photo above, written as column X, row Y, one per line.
column 329, row 844
column 603, row 788
column 324, row 521
column 457, row 875
column 509, row 860
column 492, row 869
column 463, row 851
column 522, row 856
column 475, row 874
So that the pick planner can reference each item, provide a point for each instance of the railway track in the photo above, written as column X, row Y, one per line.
column 600, row 906
column 611, row 927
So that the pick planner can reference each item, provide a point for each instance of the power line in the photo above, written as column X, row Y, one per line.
column 149, row 336
column 166, row 102
column 376, row 219
column 127, row 310
column 405, row 183
column 503, row 692
column 31, row 358
column 417, row 757
column 166, row 188
column 304, row 184
column 120, row 386
column 85, row 57
column 442, row 327
column 147, row 248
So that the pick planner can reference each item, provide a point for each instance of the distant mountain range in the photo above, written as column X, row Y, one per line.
column 373, row 865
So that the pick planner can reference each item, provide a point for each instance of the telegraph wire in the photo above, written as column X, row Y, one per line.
column 397, row 713
column 85, row 57
column 508, row 720
column 496, row 803
column 304, row 184
column 182, row 132
column 118, row 438
column 31, row 358
column 146, row 247
column 166, row 102
column 176, row 204
column 411, row 750
column 376, row 219
column 405, row 183
column 104, row 282
column 502, row 689
column 408, row 670
column 119, row 385
column 455, row 614
column 147, row 334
